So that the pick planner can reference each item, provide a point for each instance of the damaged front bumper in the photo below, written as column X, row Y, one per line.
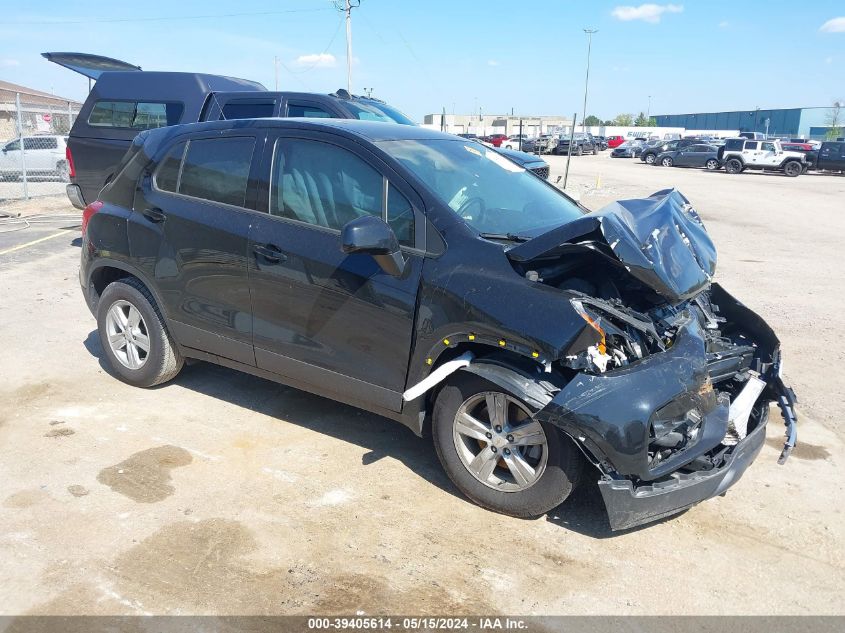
column 629, row 505
column 613, row 417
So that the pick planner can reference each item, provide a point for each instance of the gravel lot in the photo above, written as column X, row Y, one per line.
column 221, row 493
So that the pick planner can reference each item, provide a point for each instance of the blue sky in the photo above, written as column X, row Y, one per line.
column 529, row 56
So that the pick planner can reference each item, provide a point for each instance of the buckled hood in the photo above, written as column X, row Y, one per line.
column 660, row 240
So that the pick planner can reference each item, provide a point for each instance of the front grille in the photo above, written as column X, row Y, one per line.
column 542, row 172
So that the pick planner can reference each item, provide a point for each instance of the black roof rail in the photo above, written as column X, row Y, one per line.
column 343, row 93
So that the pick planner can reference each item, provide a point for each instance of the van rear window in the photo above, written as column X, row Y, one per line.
column 134, row 115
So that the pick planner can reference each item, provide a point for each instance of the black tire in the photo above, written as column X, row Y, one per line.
column 733, row 166
column 163, row 360
column 579, row 151
column 561, row 474
column 667, row 161
column 712, row 164
column 792, row 168
column 595, row 150
column 650, row 158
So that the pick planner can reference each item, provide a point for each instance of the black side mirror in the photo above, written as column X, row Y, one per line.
column 370, row 235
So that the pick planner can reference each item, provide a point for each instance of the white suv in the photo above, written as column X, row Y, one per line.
column 42, row 156
column 740, row 154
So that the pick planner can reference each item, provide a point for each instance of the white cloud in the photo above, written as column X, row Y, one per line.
column 646, row 12
column 493, row 62
column 834, row 25
column 8, row 62
column 317, row 60
column 724, row 24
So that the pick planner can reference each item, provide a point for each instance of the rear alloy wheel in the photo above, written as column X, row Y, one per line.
column 497, row 454
column 733, row 166
column 792, row 168
column 133, row 335
column 666, row 162
column 650, row 158
column 712, row 164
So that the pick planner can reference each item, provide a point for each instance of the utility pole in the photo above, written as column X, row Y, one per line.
column 276, row 71
column 346, row 6
column 589, row 33
column 648, row 110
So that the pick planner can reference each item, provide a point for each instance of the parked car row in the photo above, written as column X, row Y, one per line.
column 736, row 155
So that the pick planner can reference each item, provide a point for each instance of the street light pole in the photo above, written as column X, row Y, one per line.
column 589, row 33
column 346, row 6
column 349, row 46
column 648, row 111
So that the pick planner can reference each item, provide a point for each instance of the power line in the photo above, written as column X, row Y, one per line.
column 325, row 50
column 168, row 18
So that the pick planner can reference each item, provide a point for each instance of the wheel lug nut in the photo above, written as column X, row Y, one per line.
column 498, row 429
column 510, row 438
column 489, row 435
column 494, row 449
column 507, row 451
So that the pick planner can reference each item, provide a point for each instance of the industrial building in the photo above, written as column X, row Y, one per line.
column 484, row 124
column 809, row 123
column 41, row 112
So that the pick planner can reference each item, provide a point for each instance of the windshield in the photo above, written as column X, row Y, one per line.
column 367, row 110
column 491, row 193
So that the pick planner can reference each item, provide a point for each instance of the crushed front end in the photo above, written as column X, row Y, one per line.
column 668, row 384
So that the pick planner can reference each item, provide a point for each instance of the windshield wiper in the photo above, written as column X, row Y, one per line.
column 510, row 237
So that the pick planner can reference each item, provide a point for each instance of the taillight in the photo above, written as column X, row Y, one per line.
column 69, row 158
column 89, row 212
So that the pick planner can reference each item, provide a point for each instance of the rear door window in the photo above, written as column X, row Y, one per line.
column 211, row 169
column 751, row 144
column 299, row 110
column 248, row 109
column 217, row 169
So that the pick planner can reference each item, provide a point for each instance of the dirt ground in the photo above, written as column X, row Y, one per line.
column 220, row 493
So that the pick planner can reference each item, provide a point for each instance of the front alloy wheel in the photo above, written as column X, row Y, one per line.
column 497, row 453
column 650, row 158
column 498, row 442
column 666, row 162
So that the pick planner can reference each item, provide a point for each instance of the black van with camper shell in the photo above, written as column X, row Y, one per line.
column 126, row 100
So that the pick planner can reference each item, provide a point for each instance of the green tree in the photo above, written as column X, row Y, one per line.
column 592, row 120
column 641, row 121
column 652, row 122
column 623, row 119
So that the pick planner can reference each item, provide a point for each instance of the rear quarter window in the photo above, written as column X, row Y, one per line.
column 134, row 115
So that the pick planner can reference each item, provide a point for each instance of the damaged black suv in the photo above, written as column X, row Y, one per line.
column 430, row 280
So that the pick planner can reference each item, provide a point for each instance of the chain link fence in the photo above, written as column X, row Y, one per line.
column 33, row 141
